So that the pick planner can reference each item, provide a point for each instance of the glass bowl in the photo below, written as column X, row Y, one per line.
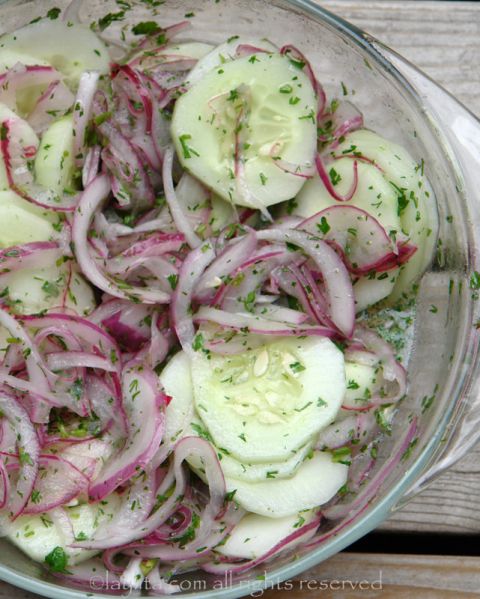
column 407, row 107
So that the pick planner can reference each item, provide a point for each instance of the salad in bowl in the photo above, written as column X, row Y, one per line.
column 208, row 275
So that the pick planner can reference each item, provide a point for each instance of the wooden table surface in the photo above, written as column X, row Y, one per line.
column 442, row 38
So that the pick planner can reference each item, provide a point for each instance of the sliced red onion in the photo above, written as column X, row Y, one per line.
column 19, row 177
column 297, row 57
column 257, row 325
column 337, row 282
column 57, row 483
column 347, row 118
column 140, row 91
column 190, row 273
column 179, row 217
column 133, row 185
column 71, row 14
column 37, row 370
column 364, row 242
column 36, row 254
column 248, row 279
column 91, row 575
column 324, row 176
column 64, row 361
column 107, row 537
column 22, row 76
column 91, row 165
column 336, row 123
column 4, row 486
column 282, row 314
column 82, row 112
column 144, row 405
column 90, row 201
column 54, row 102
column 245, row 50
column 28, row 452
column 392, row 370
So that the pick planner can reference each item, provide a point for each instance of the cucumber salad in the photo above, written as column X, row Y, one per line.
column 194, row 243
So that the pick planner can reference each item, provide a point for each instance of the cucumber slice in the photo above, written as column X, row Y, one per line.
column 225, row 53
column 71, row 48
column 179, row 420
column 37, row 536
column 314, row 483
column 32, row 290
column 22, row 221
column 222, row 214
column 266, row 403
column 54, row 163
column 415, row 199
column 255, row 535
column 233, row 468
column 177, row 383
column 9, row 58
column 274, row 124
column 374, row 195
column 361, row 380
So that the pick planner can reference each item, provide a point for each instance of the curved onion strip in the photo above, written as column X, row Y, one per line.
column 55, row 100
column 324, row 176
column 36, row 254
column 19, row 177
column 38, row 373
column 107, row 536
column 143, row 404
column 4, row 486
column 393, row 371
column 258, row 325
column 57, row 483
column 90, row 202
column 91, row 574
column 21, row 76
column 190, row 273
column 91, row 165
column 28, row 451
column 71, row 13
column 301, row 61
column 180, row 219
column 337, row 282
column 82, row 111
column 79, row 359
column 364, row 242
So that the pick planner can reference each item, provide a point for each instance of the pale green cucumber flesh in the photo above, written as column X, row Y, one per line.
column 71, row 48
column 255, row 535
column 274, row 125
column 54, row 162
column 38, row 535
column 266, row 403
column 316, row 481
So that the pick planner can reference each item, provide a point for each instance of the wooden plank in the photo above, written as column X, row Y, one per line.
column 443, row 39
column 385, row 576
